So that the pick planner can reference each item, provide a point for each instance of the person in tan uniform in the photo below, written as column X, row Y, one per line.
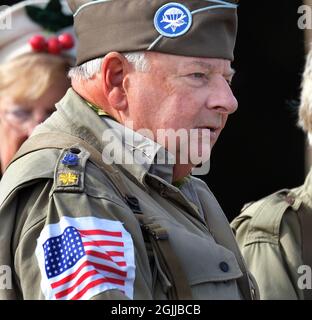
column 94, row 206
column 274, row 233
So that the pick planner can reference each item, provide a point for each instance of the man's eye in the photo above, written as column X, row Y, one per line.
column 198, row 75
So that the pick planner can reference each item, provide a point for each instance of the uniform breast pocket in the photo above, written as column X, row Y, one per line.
column 211, row 269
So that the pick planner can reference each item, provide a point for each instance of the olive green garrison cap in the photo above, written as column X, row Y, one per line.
column 197, row 28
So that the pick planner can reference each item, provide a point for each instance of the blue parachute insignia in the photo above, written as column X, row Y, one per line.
column 173, row 20
column 174, row 17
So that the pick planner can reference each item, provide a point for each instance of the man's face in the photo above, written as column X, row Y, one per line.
column 181, row 93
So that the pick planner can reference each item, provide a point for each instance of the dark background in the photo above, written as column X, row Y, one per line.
column 8, row 2
column 261, row 150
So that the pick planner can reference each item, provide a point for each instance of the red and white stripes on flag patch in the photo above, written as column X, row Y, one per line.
column 82, row 257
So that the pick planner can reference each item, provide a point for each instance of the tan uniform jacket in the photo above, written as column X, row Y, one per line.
column 269, row 234
column 41, row 199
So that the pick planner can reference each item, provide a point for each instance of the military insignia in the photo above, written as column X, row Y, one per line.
column 173, row 20
column 68, row 179
column 70, row 159
column 81, row 257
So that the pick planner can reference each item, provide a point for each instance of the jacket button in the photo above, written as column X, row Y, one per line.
column 224, row 266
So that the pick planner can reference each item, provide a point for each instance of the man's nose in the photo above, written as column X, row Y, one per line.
column 222, row 98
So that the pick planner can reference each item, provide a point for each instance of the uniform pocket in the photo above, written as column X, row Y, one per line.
column 210, row 268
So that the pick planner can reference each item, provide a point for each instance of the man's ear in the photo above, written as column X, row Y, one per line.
column 113, row 72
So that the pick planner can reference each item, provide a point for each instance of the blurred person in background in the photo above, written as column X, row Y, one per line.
column 274, row 233
column 36, row 52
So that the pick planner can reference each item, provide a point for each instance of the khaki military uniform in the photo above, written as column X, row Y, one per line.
column 269, row 233
column 38, row 193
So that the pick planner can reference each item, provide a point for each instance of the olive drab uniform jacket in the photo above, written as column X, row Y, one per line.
column 274, row 235
column 72, row 227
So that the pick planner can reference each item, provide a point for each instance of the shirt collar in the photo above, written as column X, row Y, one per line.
column 153, row 157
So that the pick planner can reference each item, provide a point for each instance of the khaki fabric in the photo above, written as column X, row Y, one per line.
column 32, row 198
column 270, row 237
column 127, row 26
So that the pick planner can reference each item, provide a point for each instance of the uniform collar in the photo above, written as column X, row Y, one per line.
column 143, row 150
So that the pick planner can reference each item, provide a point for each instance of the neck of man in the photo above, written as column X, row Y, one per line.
column 180, row 171
column 90, row 91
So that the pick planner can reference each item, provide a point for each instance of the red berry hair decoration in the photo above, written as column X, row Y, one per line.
column 53, row 45
column 52, row 19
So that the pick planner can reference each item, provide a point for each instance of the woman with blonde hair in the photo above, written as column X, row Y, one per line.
column 33, row 70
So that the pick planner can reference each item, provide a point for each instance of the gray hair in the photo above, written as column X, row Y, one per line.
column 92, row 67
column 305, row 108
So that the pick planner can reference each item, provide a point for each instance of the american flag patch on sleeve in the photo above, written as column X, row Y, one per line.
column 82, row 257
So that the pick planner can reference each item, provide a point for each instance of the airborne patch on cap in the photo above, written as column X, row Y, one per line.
column 173, row 20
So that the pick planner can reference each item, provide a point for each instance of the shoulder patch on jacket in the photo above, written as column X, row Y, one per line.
column 81, row 257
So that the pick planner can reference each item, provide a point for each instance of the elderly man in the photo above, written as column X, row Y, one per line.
column 94, row 205
column 274, row 233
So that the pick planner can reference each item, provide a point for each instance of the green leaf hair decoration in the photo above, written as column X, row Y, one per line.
column 51, row 17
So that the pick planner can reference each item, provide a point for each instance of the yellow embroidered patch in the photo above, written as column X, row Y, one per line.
column 68, row 179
